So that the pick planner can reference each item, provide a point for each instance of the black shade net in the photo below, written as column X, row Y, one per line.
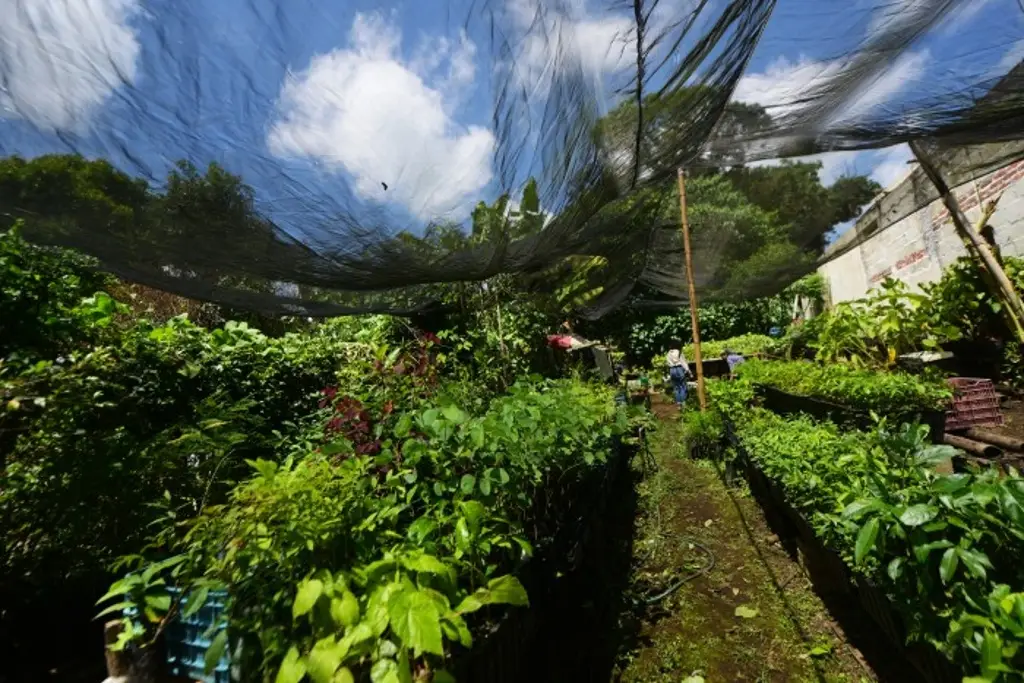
column 365, row 133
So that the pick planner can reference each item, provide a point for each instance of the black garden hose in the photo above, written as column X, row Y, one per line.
column 708, row 566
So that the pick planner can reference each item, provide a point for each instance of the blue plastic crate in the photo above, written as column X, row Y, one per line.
column 187, row 641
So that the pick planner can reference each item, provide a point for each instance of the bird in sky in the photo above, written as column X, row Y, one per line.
column 385, row 186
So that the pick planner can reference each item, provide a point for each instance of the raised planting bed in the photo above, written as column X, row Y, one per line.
column 515, row 644
column 831, row 575
column 849, row 395
column 471, row 525
column 785, row 403
column 912, row 542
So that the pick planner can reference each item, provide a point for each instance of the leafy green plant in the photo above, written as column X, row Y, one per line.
column 889, row 322
column 746, row 344
column 961, row 298
column 886, row 393
column 941, row 546
column 340, row 561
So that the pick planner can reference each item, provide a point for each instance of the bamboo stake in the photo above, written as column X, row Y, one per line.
column 1004, row 287
column 694, row 317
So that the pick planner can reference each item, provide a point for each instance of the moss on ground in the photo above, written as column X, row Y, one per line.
column 752, row 617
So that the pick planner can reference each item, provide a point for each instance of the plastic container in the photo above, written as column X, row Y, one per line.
column 975, row 404
column 187, row 640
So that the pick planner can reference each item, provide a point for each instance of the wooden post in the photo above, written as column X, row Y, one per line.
column 118, row 663
column 694, row 317
column 1006, row 290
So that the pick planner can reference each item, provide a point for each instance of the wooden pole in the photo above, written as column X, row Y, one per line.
column 1006, row 290
column 694, row 317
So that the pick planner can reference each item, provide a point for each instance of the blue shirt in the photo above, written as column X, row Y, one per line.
column 734, row 359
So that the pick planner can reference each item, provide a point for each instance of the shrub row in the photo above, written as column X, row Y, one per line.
column 891, row 393
column 945, row 548
column 342, row 561
column 90, row 440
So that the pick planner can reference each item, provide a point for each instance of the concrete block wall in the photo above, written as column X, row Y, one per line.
column 918, row 248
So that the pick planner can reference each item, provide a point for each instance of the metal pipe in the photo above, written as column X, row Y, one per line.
column 984, row 450
column 985, row 436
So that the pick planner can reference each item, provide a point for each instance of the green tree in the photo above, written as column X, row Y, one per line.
column 56, row 193
column 794, row 192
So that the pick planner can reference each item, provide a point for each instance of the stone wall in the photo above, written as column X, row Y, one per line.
column 917, row 248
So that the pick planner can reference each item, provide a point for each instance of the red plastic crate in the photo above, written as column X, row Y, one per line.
column 975, row 404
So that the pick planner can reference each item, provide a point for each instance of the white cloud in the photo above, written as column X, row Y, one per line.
column 365, row 110
column 547, row 40
column 61, row 59
column 781, row 85
column 891, row 165
column 908, row 68
column 962, row 15
column 782, row 88
column 1010, row 59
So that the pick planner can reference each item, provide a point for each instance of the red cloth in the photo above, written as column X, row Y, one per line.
column 560, row 341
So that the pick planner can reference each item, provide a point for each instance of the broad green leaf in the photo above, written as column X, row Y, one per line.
column 404, row 426
column 865, row 539
column 377, row 612
column 215, row 651
column 429, row 418
column 345, row 610
column 947, row 567
column 116, row 607
column 934, row 455
column 120, row 587
column 507, row 590
column 292, row 668
column 895, row 568
column 427, row 564
column 416, row 620
column 921, row 552
column 404, row 670
column 463, row 537
column 474, row 512
column 919, row 514
column 859, row 507
column 309, row 592
column 951, row 483
column 991, row 655
column 454, row 414
column 421, row 528
column 442, row 676
column 343, row 675
column 159, row 602
column 485, row 486
column 195, row 601
column 461, row 632
column 820, row 650
column 975, row 561
column 467, row 484
column 384, row 671
column 502, row 590
column 360, row 634
column 746, row 612
column 470, row 603
column 323, row 660
column 477, row 434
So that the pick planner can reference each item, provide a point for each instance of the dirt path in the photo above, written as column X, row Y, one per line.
column 750, row 617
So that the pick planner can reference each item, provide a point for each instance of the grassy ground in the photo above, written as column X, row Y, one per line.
column 751, row 617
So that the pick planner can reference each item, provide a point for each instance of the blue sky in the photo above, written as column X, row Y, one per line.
column 317, row 103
